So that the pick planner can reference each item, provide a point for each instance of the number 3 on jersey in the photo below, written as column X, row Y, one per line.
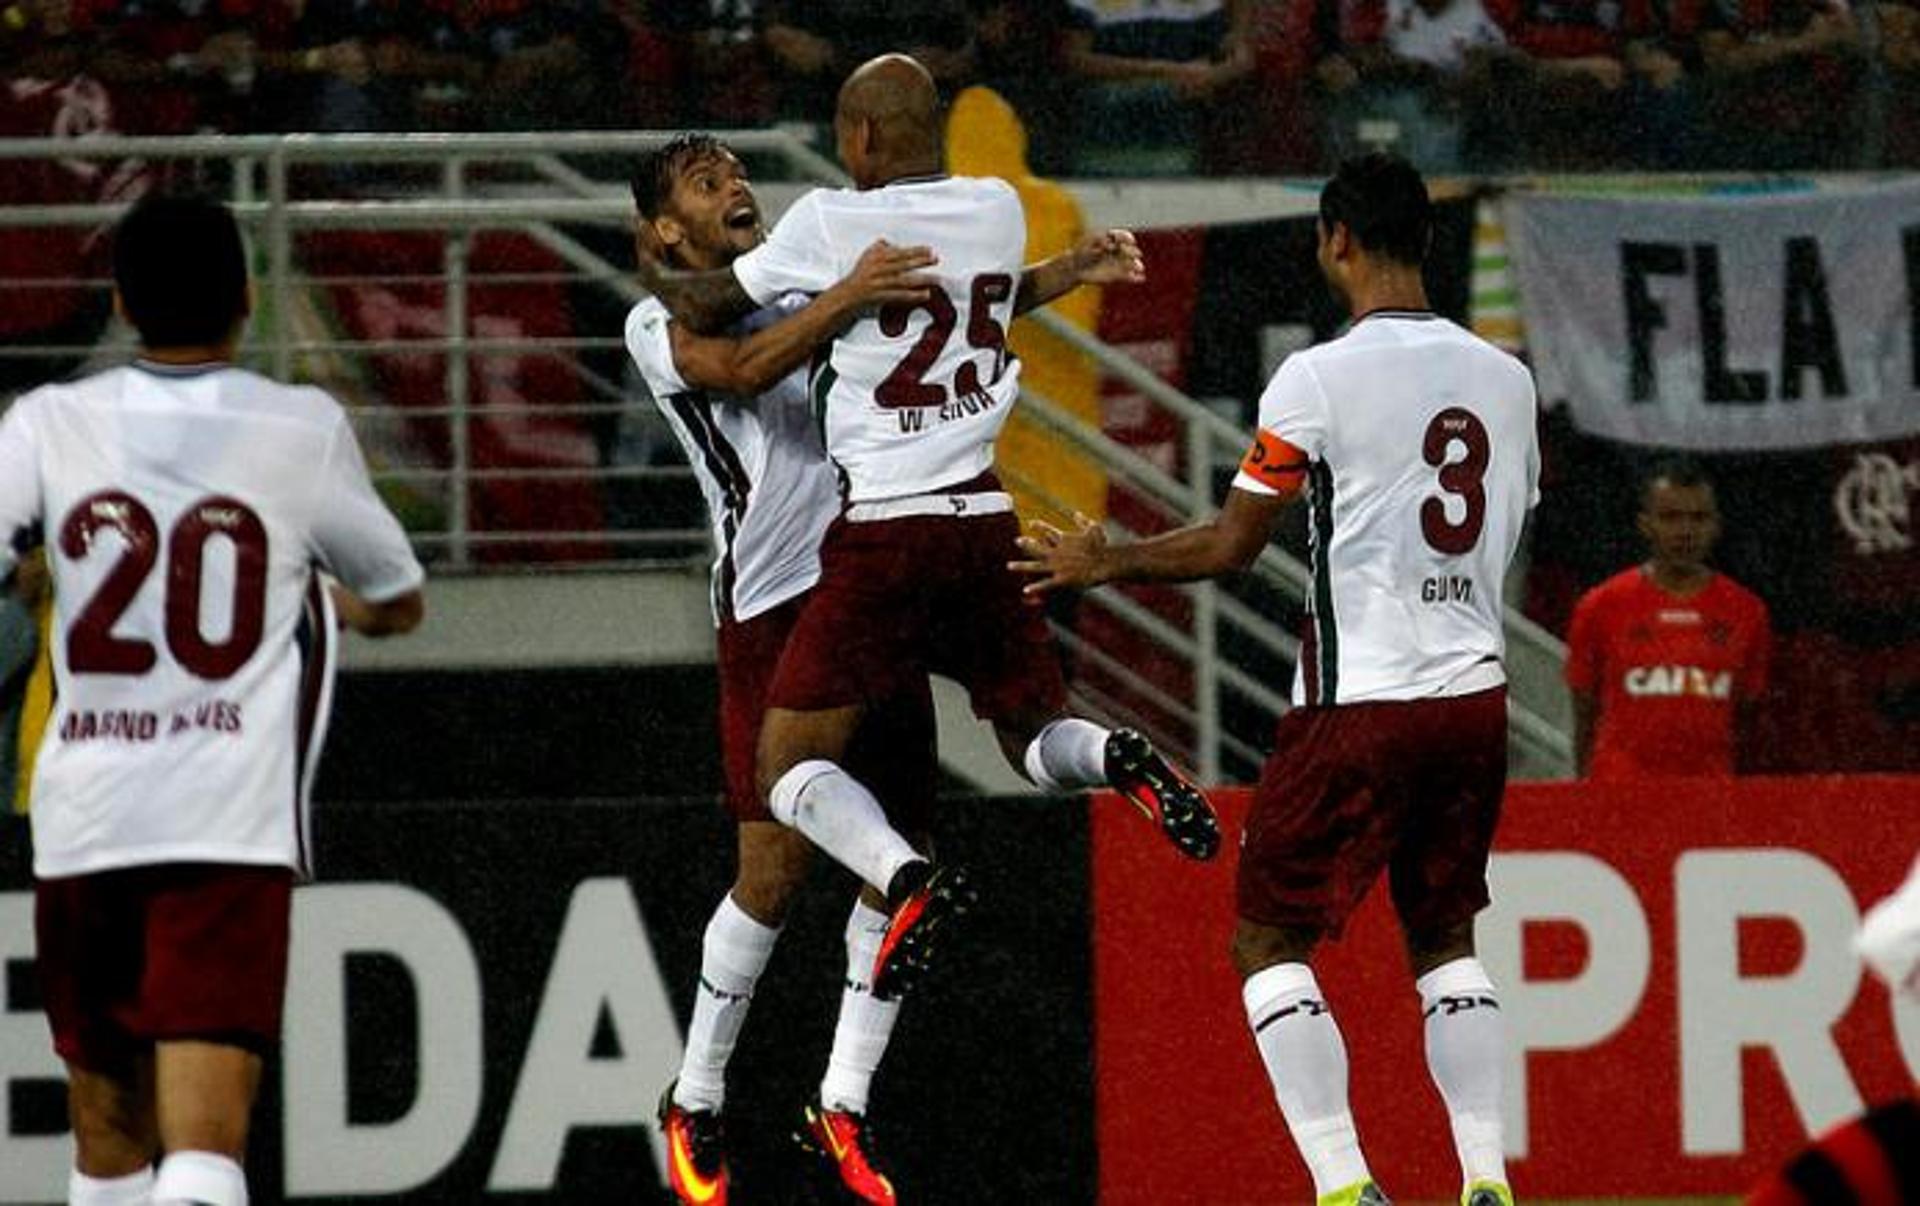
column 1464, row 478
column 92, row 647
column 907, row 385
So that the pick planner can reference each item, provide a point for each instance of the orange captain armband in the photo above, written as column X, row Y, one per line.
column 1276, row 464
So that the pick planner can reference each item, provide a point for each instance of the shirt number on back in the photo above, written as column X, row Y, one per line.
column 92, row 647
column 1463, row 478
column 907, row 385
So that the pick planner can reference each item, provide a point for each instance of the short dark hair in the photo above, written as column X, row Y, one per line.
column 1675, row 469
column 653, row 175
column 181, row 270
column 1382, row 200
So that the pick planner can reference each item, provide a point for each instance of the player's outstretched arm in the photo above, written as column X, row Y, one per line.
column 1106, row 257
column 389, row 617
column 751, row 364
column 1084, row 557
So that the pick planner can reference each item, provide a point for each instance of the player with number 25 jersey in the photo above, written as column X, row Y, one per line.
column 906, row 424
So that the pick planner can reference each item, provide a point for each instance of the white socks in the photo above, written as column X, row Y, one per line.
column 732, row 957
column 133, row 1190
column 189, row 1178
column 1067, row 755
column 1466, row 1043
column 866, row 1023
column 1307, row 1063
column 842, row 818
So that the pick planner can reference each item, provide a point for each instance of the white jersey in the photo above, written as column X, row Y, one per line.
column 912, row 397
column 770, row 490
column 185, row 512
column 1423, row 462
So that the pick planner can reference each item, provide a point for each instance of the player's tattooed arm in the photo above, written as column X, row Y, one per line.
column 1106, row 257
column 1084, row 557
column 750, row 364
column 706, row 301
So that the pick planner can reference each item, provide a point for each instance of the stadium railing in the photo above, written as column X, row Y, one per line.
column 493, row 478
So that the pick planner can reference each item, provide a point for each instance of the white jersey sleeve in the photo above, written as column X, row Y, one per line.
column 1293, row 407
column 19, row 483
column 798, row 257
column 1889, row 938
column 650, row 343
column 354, row 535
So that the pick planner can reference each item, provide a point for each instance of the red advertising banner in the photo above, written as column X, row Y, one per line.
column 1674, row 962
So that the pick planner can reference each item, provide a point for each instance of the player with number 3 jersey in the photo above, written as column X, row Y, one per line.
column 1413, row 443
column 188, row 508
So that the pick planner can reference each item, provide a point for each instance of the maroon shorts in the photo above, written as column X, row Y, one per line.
column 892, row 751
column 1413, row 787
column 175, row 951
column 901, row 598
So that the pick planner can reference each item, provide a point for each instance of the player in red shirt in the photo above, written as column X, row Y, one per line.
column 1664, row 659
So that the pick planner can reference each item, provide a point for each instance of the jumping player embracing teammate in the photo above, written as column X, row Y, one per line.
column 913, row 574
column 1414, row 444
column 739, row 408
column 743, row 415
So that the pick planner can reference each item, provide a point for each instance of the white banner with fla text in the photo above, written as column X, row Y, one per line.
column 1726, row 322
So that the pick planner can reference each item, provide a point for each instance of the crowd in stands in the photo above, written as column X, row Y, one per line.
column 1109, row 86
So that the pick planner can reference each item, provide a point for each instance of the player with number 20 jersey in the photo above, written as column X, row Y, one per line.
column 184, row 513
column 188, row 508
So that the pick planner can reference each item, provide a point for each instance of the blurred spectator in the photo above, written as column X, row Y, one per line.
column 20, row 598
column 1406, row 75
column 1017, row 53
column 815, row 43
column 461, row 64
column 1780, row 84
column 1149, row 70
column 718, row 60
column 1597, row 85
column 46, row 93
column 1780, row 79
column 1665, row 659
column 193, row 63
column 1900, row 50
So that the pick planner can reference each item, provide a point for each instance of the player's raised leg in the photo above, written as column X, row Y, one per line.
column 1466, row 1046
column 1070, row 754
column 807, row 787
column 1305, row 1057
column 115, row 1137
column 203, row 1095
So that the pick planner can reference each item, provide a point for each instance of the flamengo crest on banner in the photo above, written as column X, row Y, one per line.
column 1873, row 503
column 1726, row 322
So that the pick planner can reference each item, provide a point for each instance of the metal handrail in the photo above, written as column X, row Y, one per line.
column 263, row 199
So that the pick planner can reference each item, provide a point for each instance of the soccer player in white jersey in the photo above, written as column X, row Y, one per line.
column 913, row 576
column 739, row 408
column 742, row 414
column 1414, row 444
column 188, row 507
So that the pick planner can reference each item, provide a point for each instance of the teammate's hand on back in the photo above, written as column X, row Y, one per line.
column 885, row 273
column 1063, row 559
column 1109, row 257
